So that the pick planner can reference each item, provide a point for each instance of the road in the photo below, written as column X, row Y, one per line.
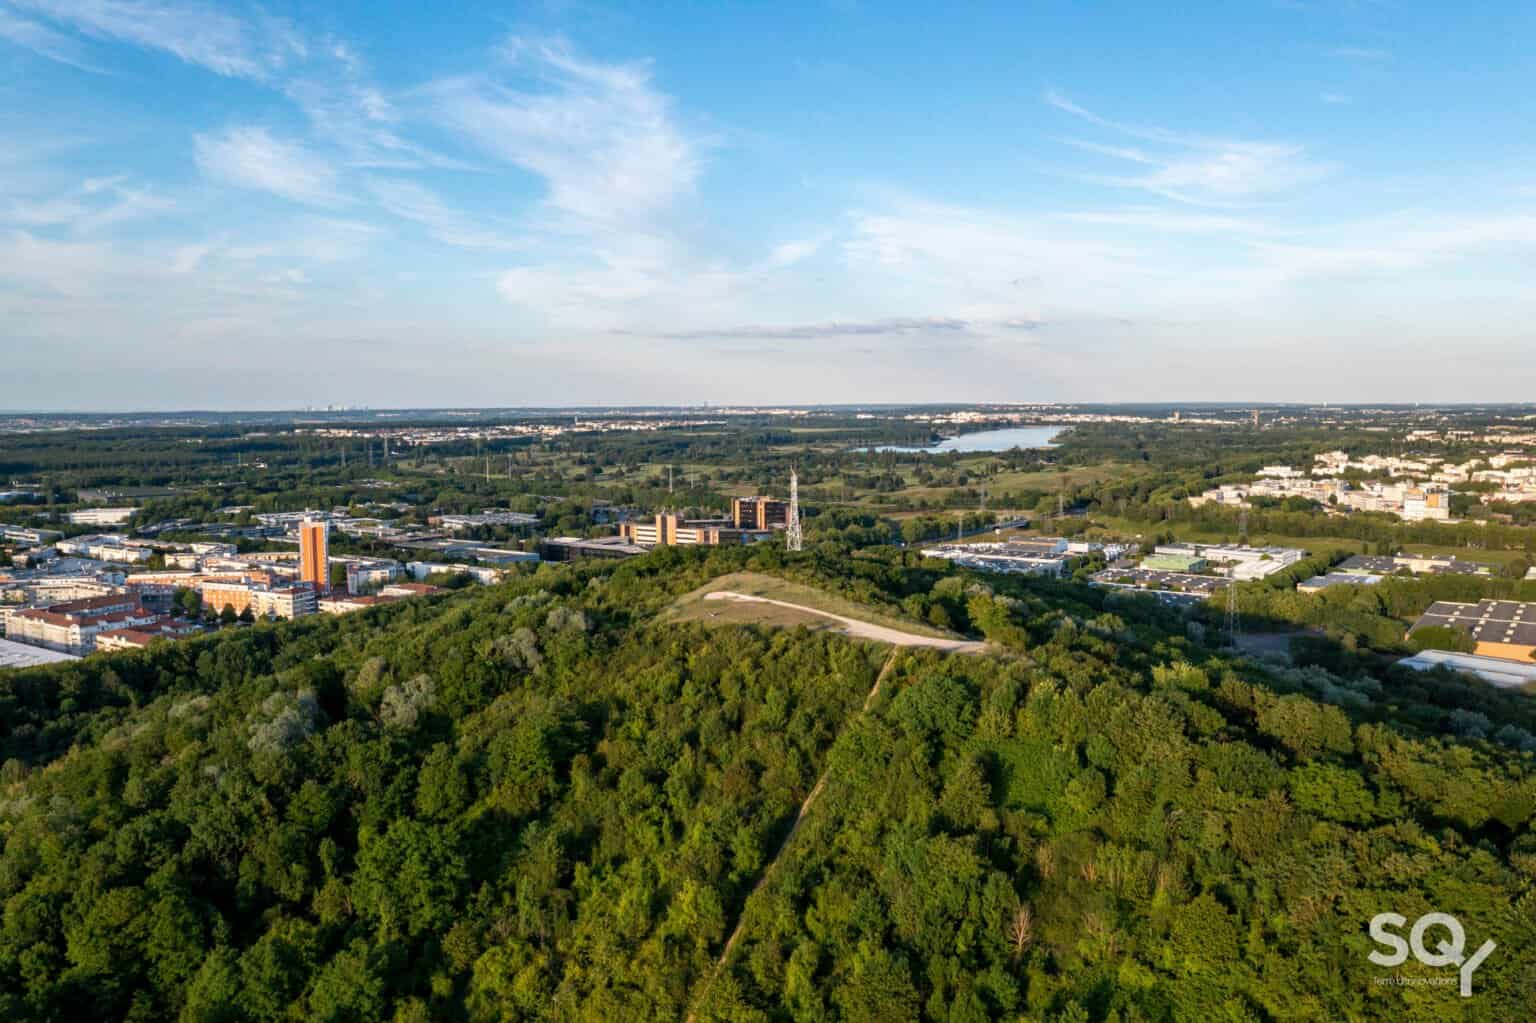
column 861, row 630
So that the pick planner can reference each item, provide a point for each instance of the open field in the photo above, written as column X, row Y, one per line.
column 1468, row 553
column 805, row 602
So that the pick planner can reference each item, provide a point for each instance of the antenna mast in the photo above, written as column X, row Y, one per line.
column 792, row 539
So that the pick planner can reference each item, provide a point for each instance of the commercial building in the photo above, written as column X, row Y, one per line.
column 1172, row 561
column 1245, row 562
column 1417, row 564
column 574, row 548
column 759, row 513
column 1318, row 583
column 1169, row 587
column 24, row 655
column 289, row 519
column 482, row 574
column 1505, row 629
column 670, row 529
column 101, row 516
column 1493, row 670
column 314, row 564
column 1111, row 551
column 1044, row 556
column 489, row 518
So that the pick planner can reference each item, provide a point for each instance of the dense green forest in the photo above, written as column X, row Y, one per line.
column 535, row 801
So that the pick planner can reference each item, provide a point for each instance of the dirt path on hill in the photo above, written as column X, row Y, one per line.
column 860, row 630
column 741, row 921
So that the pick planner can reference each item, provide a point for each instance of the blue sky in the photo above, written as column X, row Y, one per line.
column 237, row 206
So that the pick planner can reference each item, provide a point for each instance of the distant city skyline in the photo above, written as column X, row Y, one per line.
column 235, row 207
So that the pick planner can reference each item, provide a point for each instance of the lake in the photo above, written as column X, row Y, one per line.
column 992, row 440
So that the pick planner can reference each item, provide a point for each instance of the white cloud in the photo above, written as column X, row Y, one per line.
column 1196, row 169
column 95, row 205
column 251, row 157
column 601, row 136
column 196, row 33
column 43, row 40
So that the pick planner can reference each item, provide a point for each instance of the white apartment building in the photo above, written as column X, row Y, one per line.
column 70, row 632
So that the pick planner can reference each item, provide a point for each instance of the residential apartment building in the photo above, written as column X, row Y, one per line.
column 366, row 577
column 72, row 627
column 104, row 548
column 261, row 601
column 314, row 563
column 138, row 637
column 25, row 534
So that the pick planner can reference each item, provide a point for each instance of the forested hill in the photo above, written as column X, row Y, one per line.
column 536, row 802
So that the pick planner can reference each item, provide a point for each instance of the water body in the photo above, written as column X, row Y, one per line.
column 991, row 440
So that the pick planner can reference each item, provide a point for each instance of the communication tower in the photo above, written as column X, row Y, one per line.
column 792, row 539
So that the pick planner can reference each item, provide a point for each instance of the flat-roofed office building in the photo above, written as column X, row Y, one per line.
column 759, row 513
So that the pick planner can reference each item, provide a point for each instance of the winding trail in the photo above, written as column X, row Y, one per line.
column 741, row 920
column 861, row 630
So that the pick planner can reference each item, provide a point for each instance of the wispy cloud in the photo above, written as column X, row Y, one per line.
column 601, row 136
column 814, row 331
column 196, row 33
column 419, row 204
column 888, row 327
column 1195, row 169
column 43, row 40
column 93, row 206
column 251, row 157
